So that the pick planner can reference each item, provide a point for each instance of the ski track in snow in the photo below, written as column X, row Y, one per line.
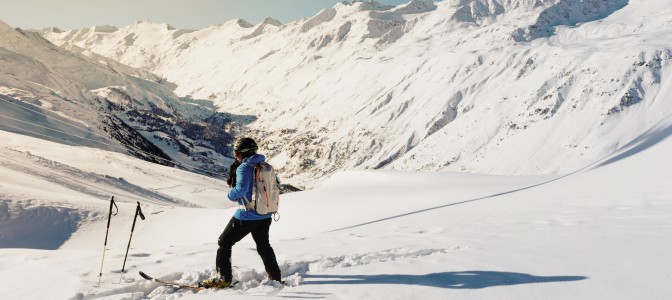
column 255, row 283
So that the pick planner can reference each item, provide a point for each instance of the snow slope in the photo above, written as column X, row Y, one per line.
column 80, row 98
column 471, row 86
column 574, row 94
column 601, row 232
column 53, row 196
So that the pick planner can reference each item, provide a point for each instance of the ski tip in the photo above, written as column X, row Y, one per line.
column 145, row 276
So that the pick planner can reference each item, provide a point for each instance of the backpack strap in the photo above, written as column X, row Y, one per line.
column 243, row 206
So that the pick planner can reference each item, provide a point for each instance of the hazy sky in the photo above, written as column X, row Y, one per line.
column 188, row 14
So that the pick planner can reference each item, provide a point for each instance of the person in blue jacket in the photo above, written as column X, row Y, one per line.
column 244, row 221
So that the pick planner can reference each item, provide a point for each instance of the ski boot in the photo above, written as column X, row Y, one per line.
column 216, row 282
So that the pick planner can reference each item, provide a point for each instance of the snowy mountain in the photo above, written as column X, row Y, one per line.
column 90, row 100
column 573, row 92
column 468, row 86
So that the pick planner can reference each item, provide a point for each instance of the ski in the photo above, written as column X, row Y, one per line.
column 169, row 283
column 177, row 285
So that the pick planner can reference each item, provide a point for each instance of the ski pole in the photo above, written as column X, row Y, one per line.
column 109, row 218
column 138, row 212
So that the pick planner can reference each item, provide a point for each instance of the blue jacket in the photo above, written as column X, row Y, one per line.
column 244, row 178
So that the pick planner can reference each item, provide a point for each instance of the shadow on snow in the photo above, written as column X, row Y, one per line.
column 646, row 140
column 448, row 280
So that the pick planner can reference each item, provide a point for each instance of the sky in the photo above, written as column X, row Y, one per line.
column 187, row 14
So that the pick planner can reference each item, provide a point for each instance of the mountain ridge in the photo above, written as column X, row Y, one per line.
column 423, row 86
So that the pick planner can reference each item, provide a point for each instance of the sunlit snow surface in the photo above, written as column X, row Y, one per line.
column 589, row 104
column 601, row 232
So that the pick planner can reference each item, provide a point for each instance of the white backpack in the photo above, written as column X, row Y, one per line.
column 265, row 190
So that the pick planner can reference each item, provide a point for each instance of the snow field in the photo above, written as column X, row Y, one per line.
column 598, row 233
column 463, row 86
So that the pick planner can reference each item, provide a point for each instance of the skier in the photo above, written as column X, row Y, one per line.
column 244, row 221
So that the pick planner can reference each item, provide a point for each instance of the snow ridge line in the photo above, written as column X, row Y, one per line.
column 75, row 179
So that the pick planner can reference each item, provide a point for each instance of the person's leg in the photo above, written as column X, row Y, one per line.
column 260, row 236
column 235, row 231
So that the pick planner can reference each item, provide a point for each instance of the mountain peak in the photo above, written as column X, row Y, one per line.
column 371, row 5
column 149, row 24
column 99, row 28
column 52, row 30
column 271, row 21
column 244, row 24
column 418, row 6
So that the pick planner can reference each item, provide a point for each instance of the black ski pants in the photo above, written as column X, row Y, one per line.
column 235, row 231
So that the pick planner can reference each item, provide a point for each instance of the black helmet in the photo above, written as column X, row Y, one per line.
column 245, row 145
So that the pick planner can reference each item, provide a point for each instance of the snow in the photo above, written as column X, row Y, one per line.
column 599, row 232
column 480, row 149
column 64, row 95
column 446, row 86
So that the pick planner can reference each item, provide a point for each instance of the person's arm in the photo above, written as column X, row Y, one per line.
column 243, row 184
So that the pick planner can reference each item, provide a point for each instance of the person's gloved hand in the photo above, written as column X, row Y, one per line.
column 231, row 180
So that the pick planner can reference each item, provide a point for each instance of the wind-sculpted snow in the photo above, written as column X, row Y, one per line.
column 36, row 226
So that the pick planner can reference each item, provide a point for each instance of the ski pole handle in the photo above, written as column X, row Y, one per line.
column 139, row 211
